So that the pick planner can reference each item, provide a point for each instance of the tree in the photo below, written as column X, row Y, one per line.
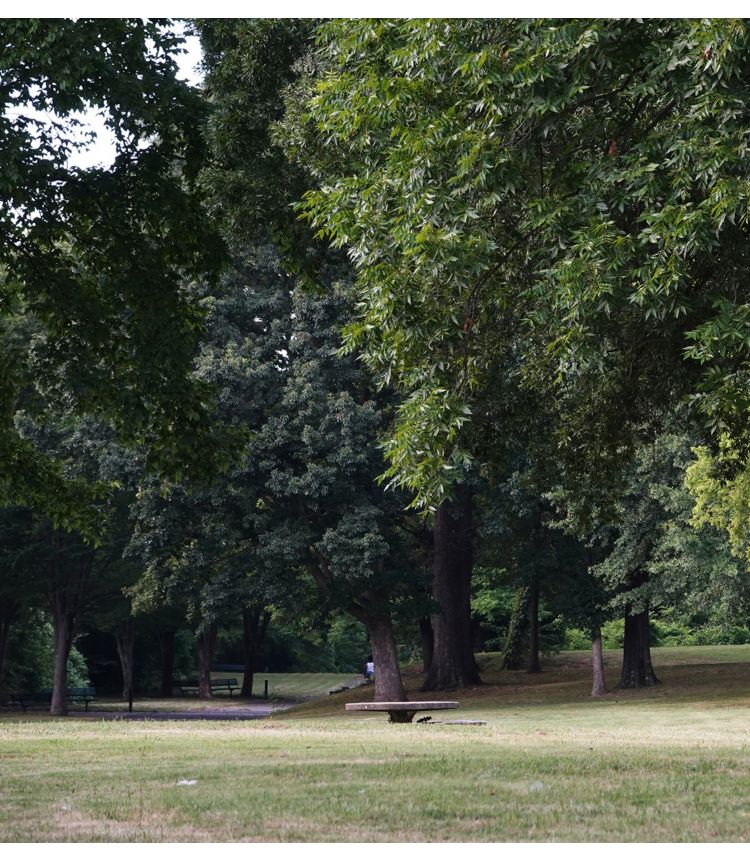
column 582, row 181
column 72, row 577
column 452, row 661
column 324, row 513
column 17, row 562
column 93, row 261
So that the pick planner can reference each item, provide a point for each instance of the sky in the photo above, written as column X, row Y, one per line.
column 101, row 152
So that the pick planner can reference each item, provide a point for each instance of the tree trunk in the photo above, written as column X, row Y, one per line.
column 5, row 624
column 425, row 634
column 637, row 670
column 533, row 666
column 452, row 663
column 599, row 687
column 206, row 644
column 254, row 624
column 513, row 650
column 125, row 638
column 166, row 647
column 62, row 625
column 388, row 686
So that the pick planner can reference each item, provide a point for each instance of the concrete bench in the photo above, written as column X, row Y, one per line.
column 401, row 712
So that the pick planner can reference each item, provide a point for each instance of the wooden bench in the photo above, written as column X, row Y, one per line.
column 400, row 712
column 229, row 684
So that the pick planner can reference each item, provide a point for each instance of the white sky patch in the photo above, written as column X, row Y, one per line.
column 100, row 151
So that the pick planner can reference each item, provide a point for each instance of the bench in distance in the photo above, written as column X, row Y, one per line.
column 229, row 684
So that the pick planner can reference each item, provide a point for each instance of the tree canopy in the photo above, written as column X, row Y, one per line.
column 577, row 185
column 93, row 261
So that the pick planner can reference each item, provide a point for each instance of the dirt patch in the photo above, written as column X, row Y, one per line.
column 72, row 825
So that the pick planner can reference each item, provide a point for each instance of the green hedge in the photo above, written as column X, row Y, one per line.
column 663, row 633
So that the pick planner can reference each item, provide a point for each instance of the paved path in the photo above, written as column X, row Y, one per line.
column 246, row 712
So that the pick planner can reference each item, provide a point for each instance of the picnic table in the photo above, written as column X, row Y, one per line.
column 400, row 712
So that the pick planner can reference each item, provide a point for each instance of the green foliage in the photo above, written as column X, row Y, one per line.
column 249, row 64
column 93, row 312
column 567, row 195
column 30, row 657
column 347, row 643
column 720, row 486
column 576, row 640
column 662, row 634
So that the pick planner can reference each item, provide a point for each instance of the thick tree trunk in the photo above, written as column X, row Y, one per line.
column 599, row 687
column 254, row 624
column 5, row 624
column 125, row 638
column 206, row 644
column 166, row 647
column 513, row 650
column 533, row 665
column 388, row 686
column 452, row 663
column 637, row 670
column 62, row 625
column 425, row 634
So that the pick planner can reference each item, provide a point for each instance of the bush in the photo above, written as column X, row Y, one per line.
column 663, row 632
column 31, row 657
column 576, row 640
column 721, row 636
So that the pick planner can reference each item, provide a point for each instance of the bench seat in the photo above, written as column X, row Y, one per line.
column 400, row 712
column 229, row 684
column 44, row 697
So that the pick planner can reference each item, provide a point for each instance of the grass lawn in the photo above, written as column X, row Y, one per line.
column 292, row 685
column 281, row 687
column 668, row 764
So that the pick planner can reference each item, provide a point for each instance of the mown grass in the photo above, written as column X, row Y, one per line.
column 282, row 687
column 671, row 764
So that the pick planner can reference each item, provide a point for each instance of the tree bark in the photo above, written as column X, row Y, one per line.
column 599, row 687
column 637, row 670
column 125, row 638
column 371, row 609
column 254, row 624
column 62, row 624
column 425, row 634
column 533, row 666
column 513, row 650
column 5, row 624
column 388, row 685
column 206, row 644
column 452, row 663
column 166, row 647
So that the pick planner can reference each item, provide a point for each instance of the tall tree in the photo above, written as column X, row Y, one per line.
column 92, row 261
column 581, row 180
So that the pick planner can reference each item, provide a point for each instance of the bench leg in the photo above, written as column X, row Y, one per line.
column 400, row 716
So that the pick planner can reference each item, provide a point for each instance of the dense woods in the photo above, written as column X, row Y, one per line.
column 405, row 339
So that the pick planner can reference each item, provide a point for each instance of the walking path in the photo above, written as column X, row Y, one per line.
column 244, row 712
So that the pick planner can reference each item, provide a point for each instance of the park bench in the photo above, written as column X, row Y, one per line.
column 229, row 684
column 400, row 712
column 82, row 694
column 44, row 697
